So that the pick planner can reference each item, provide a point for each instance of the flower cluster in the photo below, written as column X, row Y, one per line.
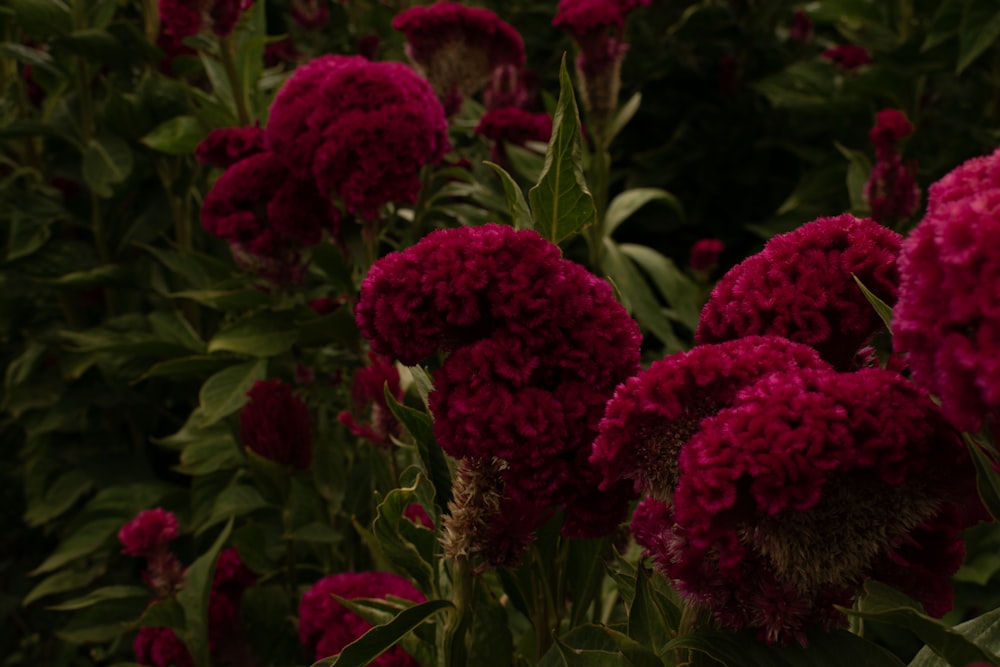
column 148, row 536
column 848, row 56
column 804, row 484
column 368, row 395
column 947, row 319
column 326, row 626
column 536, row 347
column 224, row 147
column 185, row 18
column 275, row 424
column 515, row 126
column 458, row 48
column 801, row 287
column 891, row 191
column 597, row 27
column 359, row 130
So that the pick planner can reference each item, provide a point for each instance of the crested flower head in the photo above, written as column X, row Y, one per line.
column 326, row 626
column 186, row 18
column 226, row 146
column 360, row 130
column 947, row 320
column 267, row 215
column 801, row 286
column 972, row 177
column 368, row 396
column 457, row 47
column 515, row 126
column 848, row 56
column 892, row 192
column 275, row 424
column 161, row 647
column 150, row 532
column 536, row 347
column 891, row 127
column 809, row 483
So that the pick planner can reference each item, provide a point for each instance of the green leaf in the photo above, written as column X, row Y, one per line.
column 409, row 547
column 624, row 115
column 193, row 598
column 575, row 657
column 107, row 161
column 61, row 495
column 859, row 168
column 234, row 501
column 193, row 366
column 101, row 595
column 987, row 478
column 95, row 45
column 984, row 631
column 178, row 136
column 420, row 425
column 519, row 212
column 85, row 540
column 423, row 382
column 382, row 637
column 238, row 299
column 637, row 297
column 886, row 605
column 561, row 204
column 264, row 335
column 978, row 31
column 674, row 286
column 62, row 581
column 211, row 454
column 226, row 392
column 648, row 623
column 41, row 18
column 883, row 309
column 624, row 205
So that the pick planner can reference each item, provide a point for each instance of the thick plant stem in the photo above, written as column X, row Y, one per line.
column 226, row 48
column 693, row 617
column 456, row 634
column 599, row 182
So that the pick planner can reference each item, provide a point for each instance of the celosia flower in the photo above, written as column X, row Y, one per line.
column 653, row 414
column 891, row 127
column 705, row 254
column 226, row 146
column 808, row 484
column 225, row 618
column 185, row 18
column 160, row 647
column 326, row 626
column 537, row 346
column 509, row 87
column 275, row 424
column 947, row 320
column 457, row 47
column 310, row 14
column 848, row 56
column 267, row 215
column 150, row 532
column 801, row 29
column 360, row 130
column 892, row 192
column 801, row 287
column 972, row 177
column 368, row 396
column 515, row 126
column 416, row 513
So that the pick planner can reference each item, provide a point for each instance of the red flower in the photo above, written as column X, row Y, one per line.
column 891, row 127
column 160, row 647
column 705, row 254
column 224, row 147
column 892, row 192
column 802, row 29
column 848, row 56
column 150, row 532
column 275, row 424
column 185, row 18
column 368, row 395
column 515, row 126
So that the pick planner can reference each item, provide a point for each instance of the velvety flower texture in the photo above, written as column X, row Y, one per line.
column 360, row 130
column 326, row 626
column 186, row 18
column 368, row 396
column 515, row 126
column 458, row 47
column 801, row 287
column 653, row 414
column 947, row 320
column 848, row 56
column 226, row 146
column 891, row 191
column 160, row 647
column 267, row 215
column 536, row 347
column 275, row 424
column 972, row 177
column 150, row 532
column 809, row 483
column 705, row 254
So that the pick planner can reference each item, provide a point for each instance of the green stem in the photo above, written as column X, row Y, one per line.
column 693, row 618
column 226, row 48
column 456, row 634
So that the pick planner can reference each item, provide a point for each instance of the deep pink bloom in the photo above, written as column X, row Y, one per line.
column 970, row 178
column 275, row 424
column 185, row 18
column 947, row 320
column 509, row 87
column 891, row 127
column 267, row 215
column 892, row 192
column 160, row 647
column 848, row 56
column 368, row 398
column 654, row 413
column 458, row 47
column 801, row 30
column 226, row 146
column 360, row 130
column 515, row 126
column 232, row 576
column 801, row 287
column 416, row 513
column 326, row 626
column 705, row 254
column 326, row 305
column 150, row 532
column 808, row 484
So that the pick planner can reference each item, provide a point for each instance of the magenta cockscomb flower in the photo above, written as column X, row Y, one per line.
column 457, row 47
column 947, row 320
column 416, row 513
column 150, row 532
column 705, row 254
column 326, row 626
column 275, row 424
column 970, row 178
column 515, row 126
column 161, row 647
column 185, row 18
column 653, row 414
column 810, row 483
column 510, row 86
column 892, row 192
column 536, row 347
column 267, row 215
column 368, row 398
column 226, row 146
column 360, row 130
column 891, row 127
column 801, row 287
column 848, row 56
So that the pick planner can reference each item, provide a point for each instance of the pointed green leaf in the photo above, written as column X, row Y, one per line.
column 178, row 136
column 85, row 540
column 673, row 285
column 627, row 203
column 638, row 297
column 519, row 212
column 193, row 598
column 421, row 426
column 624, row 115
column 107, row 161
column 101, row 595
column 978, row 31
column 263, row 335
column 987, row 478
column 226, row 392
column 410, row 548
column 984, row 631
column 883, row 309
column 561, row 204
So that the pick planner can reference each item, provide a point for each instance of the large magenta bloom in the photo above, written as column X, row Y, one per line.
column 947, row 319
column 537, row 346
column 226, row 146
column 809, row 483
column 972, row 177
column 161, row 647
column 326, row 626
column 801, row 287
column 360, row 130
column 186, row 18
column 150, row 532
column 275, row 424
column 458, row 47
